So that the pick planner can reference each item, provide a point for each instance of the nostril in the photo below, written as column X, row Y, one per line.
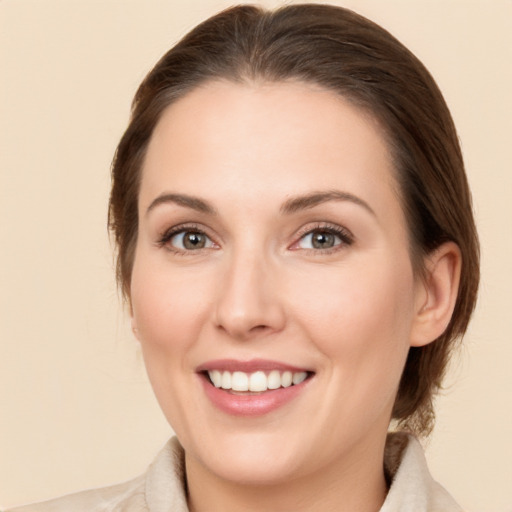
column 259, row 328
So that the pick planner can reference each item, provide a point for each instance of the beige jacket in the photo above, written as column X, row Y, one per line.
column 161, row 488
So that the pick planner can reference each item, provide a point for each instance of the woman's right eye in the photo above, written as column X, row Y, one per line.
column 187, row 240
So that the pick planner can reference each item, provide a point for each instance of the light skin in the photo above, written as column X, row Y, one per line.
column 289, row 245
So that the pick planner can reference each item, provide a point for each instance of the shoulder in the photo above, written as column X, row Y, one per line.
column 161, row 486
column 412, row 487
column 125, row 497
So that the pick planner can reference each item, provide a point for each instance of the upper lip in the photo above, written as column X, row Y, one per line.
column 253, row 365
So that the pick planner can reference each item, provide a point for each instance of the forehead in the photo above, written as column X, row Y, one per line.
column 266, row 138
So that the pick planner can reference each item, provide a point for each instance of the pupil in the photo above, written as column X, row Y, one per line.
column 194, row 241
column 321, row 240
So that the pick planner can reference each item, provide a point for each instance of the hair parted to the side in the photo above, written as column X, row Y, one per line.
column 351, row 56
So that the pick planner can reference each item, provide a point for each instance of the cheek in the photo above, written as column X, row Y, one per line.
column 360, row 317
column 169, row 311
column 167, row 305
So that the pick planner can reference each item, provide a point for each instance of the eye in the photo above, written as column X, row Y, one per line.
column 186, row 240
column 319, row 240
column 190, row 240
column 324, row 238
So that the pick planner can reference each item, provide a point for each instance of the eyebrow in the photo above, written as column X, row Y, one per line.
column 183, row 200
column 292, row 205
column 313, row 199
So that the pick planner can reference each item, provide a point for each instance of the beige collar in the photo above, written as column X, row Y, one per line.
column 412, row 487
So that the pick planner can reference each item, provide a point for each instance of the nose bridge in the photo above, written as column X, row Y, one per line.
column 248, row 299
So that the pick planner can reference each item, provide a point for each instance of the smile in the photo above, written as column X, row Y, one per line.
column 255, row 382
column 252, row 388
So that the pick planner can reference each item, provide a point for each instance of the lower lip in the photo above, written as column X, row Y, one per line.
column 251, row 404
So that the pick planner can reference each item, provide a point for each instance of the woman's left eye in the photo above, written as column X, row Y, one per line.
column 323, row 238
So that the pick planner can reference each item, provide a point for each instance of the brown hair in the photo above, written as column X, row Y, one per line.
column 348, row 54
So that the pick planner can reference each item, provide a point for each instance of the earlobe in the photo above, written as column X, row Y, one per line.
column 437, row 294
column 135, row 330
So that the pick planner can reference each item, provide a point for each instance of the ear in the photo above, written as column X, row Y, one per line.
column 135, row 329
column 436, row 294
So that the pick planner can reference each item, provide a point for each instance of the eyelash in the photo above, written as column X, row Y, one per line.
column 345, row 236
column 342, row 233
column 167, row 236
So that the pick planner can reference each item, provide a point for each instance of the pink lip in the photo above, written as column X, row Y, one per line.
column 249, row 404
column 254, row 365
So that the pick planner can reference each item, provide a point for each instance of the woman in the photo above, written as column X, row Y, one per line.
column 296, row 243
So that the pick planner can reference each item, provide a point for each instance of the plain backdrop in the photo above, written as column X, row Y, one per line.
column 76, row 410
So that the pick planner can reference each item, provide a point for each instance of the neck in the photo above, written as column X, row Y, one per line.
column 348, row 485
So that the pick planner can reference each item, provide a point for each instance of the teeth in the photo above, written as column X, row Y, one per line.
column 240, row 381
column 299, row 377
column 216, row 378
column 226, row 381
column 257, row 381
column 274, row 380
column 286, row 379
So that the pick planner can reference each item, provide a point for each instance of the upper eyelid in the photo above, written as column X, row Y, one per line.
column 167, row 234
column 164, row 239
column 344, row 234
column 326, row 226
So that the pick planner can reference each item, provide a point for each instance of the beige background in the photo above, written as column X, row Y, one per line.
column 76, row 410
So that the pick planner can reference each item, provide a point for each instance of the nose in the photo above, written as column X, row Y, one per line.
column 249, row 303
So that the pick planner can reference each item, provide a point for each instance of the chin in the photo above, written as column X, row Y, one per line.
column 250, row 458
column 245, row 470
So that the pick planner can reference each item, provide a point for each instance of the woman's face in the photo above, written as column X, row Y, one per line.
column 272, row 247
